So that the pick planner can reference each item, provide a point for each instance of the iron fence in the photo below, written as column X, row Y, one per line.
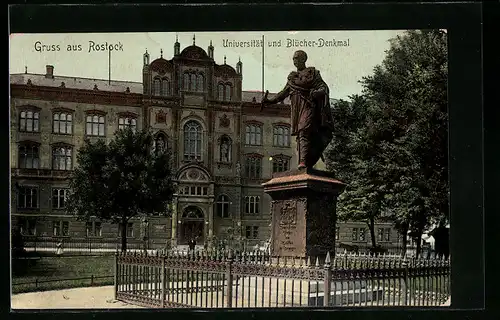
column 82, row 246
column 256, row 280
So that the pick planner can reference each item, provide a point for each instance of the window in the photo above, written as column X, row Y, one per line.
column 130, row 230
column 358, row 234
column 223, row 206
column 29, row 121
column 59, row 197
column 165, row 87
column 220, row 92
column 62, row 123
column 94, row 229
column 281, row 136
column 62, row 158
column 193, row 191
column 127, row 122
column 225, row 149
column 252, row 204
column 60, row 228
column 252, row 232
column 28, row 198
column 384, row 234
column 192, row 82
column 201, row 83
column 224, row 91
column 227, row 93
column 27, row 226
column 29, row 157
column 156, row 87
column 361, row 234
column 253, row 134
column 186, row 81
column 95, row 125
column 280, row 164
column 253, row 166
column 337, row 233
column 192, row 140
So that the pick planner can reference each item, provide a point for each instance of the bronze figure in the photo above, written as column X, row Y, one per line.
column 311, row 117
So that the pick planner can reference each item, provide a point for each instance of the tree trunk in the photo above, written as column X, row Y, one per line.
column 124, row 234
column 371, row 226
column 419, row 242
column 405, row 239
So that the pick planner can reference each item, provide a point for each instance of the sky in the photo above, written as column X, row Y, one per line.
column 342, row 57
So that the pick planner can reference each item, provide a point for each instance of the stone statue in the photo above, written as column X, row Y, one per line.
column 238, row 169
column 311, row 117
column 224, row 150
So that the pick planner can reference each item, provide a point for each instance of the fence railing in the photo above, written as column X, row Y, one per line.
column 78, row 245
column 255, row 280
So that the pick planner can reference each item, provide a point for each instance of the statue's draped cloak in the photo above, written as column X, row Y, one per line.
column 311, row 117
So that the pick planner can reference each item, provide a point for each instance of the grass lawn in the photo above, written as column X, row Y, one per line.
column 38, row 276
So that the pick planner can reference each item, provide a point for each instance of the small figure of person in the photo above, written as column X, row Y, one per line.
column 59, row 250
column 192, row 244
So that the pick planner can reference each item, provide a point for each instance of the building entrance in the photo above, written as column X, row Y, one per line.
column 192, row 226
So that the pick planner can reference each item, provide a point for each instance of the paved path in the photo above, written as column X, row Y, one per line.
column 78, row 298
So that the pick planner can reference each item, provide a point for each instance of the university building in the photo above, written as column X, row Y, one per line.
column 224, row 148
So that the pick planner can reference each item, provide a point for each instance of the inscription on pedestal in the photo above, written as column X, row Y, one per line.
column 289, row 236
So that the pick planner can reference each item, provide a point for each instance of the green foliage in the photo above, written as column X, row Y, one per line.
column 122, row 179
column 390, row 143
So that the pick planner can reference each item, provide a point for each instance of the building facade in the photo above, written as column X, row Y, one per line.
column 224, row 148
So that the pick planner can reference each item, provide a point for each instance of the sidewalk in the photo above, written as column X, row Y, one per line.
column 77, row 298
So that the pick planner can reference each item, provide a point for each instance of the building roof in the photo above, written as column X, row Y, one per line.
column 76, row 83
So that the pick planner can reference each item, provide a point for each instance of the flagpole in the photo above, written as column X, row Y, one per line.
column 262, row 65
column 109, row 66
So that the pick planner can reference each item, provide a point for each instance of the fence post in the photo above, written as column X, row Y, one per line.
column 229, row 276
column 116, row 275
column 91, row 280
column 405, row 281
column 328, row 281
column 163, row 283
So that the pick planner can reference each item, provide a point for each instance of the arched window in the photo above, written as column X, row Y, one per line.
column 156, row 87
column 201, row 83
column 220, row 92
column 227, row 93
column 186, row 81
column 165, row 87
column 223, row 206
column 225, row 149
column 192, row 82
column 192, row 140
column 29, row 155
column 62, row 158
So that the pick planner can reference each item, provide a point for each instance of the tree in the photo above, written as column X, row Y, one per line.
column 411, row 86
column 120, row 180
column 394, row 157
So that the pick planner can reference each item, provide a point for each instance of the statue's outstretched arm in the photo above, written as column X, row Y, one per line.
column 282, row 95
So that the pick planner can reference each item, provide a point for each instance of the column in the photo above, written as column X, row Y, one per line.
column 174, row 221
column 210, row 218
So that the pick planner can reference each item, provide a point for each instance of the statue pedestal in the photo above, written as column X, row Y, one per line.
column 303, row 212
